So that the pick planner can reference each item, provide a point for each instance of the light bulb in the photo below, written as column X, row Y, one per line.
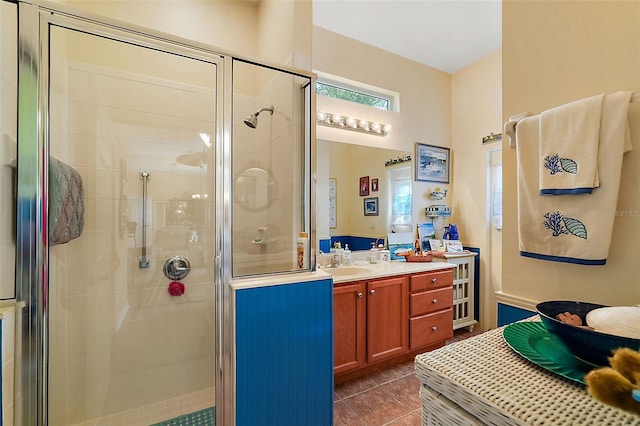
column 376, row 127
column 352, row 122
column 386, row 128
column 321, row 116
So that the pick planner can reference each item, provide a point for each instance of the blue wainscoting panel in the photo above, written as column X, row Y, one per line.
column 355, row 242
column 284, row 354
column 324, row 245
column 508, row 314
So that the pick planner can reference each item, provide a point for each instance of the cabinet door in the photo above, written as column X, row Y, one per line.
column 387, row 318
column 349, row 327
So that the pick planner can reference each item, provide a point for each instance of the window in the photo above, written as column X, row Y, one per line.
column 354, row 91
column 352, row 96
column 400, row 199
column 496, row 196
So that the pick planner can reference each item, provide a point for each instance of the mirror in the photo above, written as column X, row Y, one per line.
column 254, row 188
column 344, row 164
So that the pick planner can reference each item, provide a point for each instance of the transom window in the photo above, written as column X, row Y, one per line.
column 352, row 96
column 354, row 91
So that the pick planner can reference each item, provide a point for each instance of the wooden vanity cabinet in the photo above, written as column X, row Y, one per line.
column 431, row 309
column 386, row 320
column 349, row 326
column 387, row 315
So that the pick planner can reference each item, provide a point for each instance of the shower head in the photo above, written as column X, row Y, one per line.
column 252, row 120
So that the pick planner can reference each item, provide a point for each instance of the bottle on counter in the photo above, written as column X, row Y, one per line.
column 373, row 254
column 303, row 249
column 385, row 256
column 346, row 255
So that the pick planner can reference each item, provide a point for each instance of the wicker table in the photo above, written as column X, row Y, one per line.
column 481, row 380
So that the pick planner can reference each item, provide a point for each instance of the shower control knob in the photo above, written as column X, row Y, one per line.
column 176, row 268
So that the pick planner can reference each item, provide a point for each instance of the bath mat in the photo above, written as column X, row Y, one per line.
column 206, row 417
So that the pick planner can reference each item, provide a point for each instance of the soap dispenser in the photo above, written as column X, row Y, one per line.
column 346, row 255
column 373, row 254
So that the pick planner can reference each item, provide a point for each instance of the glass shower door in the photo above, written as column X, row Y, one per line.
column 131, row 295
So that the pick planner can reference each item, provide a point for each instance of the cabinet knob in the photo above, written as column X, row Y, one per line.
column 434, row 301
column 434, row 280
column 372, row 292
column 434, row 328
column 359, row 294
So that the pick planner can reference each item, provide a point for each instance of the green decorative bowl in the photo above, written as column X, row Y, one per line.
column 588, row 345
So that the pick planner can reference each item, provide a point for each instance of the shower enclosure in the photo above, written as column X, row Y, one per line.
column 126, row 142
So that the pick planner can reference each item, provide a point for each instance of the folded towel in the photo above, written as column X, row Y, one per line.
column 569, row 137
column 66, row 203
column 565, row 228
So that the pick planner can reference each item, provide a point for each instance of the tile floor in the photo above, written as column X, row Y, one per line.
column 387, row 397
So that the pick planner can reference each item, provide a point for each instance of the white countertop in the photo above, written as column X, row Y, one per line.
column 346, row 273
column 277, row 279
column 343, row 273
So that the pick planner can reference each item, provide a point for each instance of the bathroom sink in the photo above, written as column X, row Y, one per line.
column 347, row 270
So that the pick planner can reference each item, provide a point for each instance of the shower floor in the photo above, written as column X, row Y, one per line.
column 206, row 417
column 164, row 412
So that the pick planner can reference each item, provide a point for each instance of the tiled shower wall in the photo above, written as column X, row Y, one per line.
column 118, row 340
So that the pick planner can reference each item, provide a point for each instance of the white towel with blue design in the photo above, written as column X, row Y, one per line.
column 566, row 228
column 569, row 141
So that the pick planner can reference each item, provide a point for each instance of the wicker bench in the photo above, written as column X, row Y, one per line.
column 481, row 380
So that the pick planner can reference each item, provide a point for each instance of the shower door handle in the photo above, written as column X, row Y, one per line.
column 176, row 268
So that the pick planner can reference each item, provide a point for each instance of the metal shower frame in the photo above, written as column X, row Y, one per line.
column 34, row 19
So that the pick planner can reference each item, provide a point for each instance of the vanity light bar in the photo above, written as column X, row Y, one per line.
column 355, row 124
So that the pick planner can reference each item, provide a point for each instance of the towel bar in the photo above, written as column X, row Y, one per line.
column 510, row 125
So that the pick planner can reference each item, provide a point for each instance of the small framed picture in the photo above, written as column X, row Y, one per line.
column 371, row 206
column 432, row 163
column 364, row 185
column 374, row 185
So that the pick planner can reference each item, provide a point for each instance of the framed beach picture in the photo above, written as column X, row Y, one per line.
column 426, row 232
column 432, row 163
column 371, row 206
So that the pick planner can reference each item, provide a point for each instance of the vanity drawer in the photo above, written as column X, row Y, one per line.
column 430, row 301
column 431, row 280
column 430, row 329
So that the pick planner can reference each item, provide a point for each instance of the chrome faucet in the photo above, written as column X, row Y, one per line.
column 335, row 261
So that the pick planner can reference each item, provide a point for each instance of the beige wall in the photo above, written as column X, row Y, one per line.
column 553, row 53
column 476, row 105
column 273, row 31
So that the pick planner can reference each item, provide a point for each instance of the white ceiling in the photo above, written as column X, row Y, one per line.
column 444, row 34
